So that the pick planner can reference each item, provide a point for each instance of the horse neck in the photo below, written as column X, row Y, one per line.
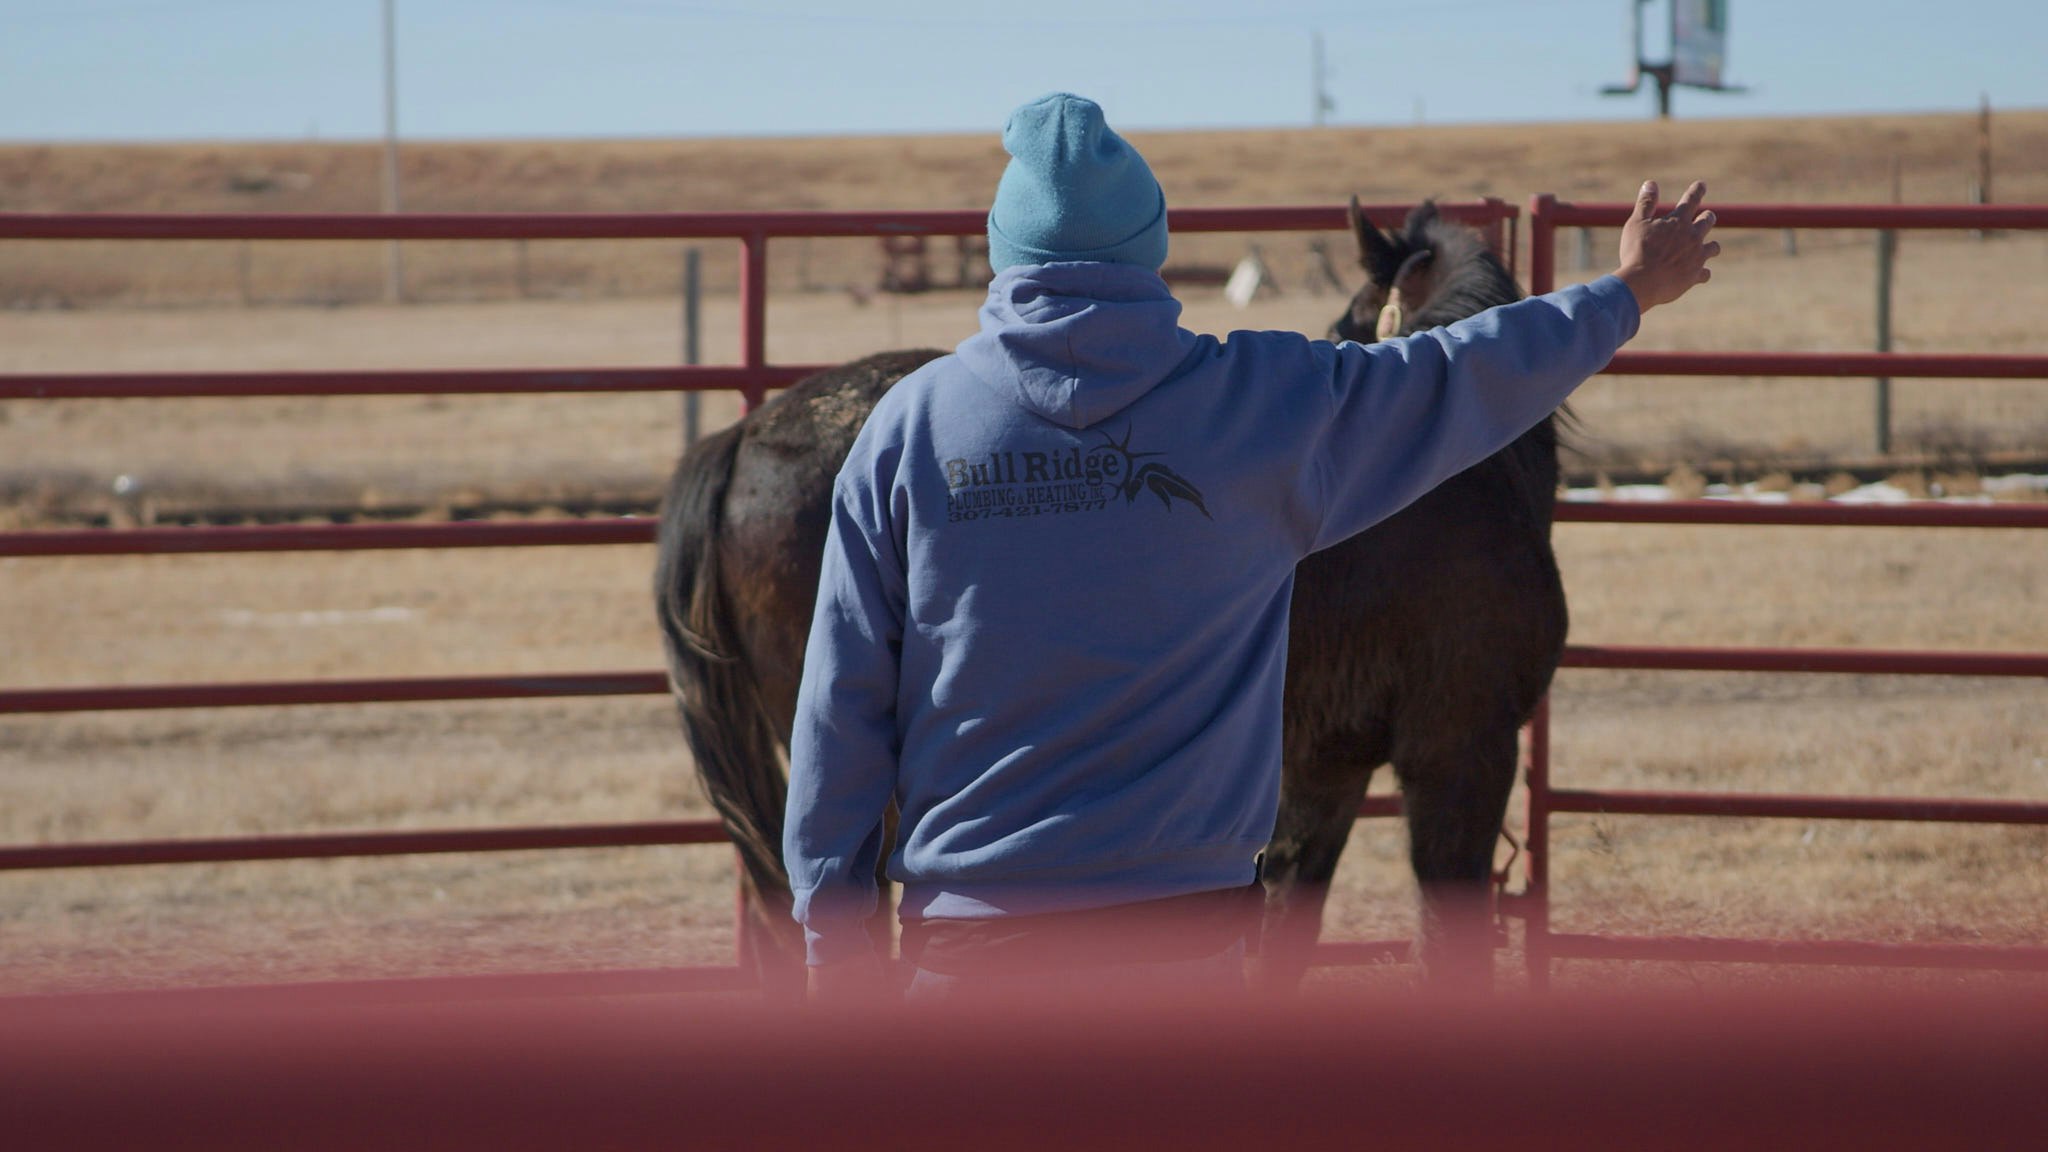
column 1478, row 284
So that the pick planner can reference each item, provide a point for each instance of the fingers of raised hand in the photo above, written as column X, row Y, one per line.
column 1703, row 223
column 1646, row 200
column 1689, row 203
column 1707, row 252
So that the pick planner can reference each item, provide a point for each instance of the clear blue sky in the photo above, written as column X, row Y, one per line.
column 290, row 69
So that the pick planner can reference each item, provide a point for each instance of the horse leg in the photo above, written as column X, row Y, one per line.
column 1308, row 838
column 1455, row 793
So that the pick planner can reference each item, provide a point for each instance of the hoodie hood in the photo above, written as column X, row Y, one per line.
column 1077, row 343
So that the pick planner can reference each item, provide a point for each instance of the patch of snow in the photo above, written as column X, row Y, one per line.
column 2019, row 482
column 1621, row 493
column 2022, row 485
column 1879, row 493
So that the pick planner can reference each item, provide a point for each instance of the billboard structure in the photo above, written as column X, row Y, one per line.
column 1699, row 52
column 1699, row 42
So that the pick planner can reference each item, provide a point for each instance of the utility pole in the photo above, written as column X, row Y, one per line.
column 1699, row 36
column 1984, row 148
column 1659, row 71
column 1320, row 100
column 394, row 267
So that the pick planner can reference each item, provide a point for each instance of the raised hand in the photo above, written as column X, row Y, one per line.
column 1662, row 257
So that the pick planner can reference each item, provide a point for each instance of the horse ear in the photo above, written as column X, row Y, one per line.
column 1419, row 219
column 1375, row 255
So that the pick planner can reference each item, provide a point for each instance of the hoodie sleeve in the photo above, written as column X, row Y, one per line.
column 1409, row 414
column 844, row 745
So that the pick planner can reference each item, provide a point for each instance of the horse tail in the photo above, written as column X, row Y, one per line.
column 719, row 701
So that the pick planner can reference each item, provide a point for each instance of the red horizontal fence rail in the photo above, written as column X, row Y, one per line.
column 569, row 1063
column 753, row 377
column 1546, row 215
column 640, row 529
column 329, row 845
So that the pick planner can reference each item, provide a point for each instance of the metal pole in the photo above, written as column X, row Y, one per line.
column 1887, row 249
column 1982, row 193
column 1542, row 244
column 753, row 313
column 394, row 268
column 1984, row 149
column 1535, row 901
column 1320, row 101
column 692, row 283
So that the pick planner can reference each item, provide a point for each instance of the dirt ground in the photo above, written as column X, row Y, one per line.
column 135, row 620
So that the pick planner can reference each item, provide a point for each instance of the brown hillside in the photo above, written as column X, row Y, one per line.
column 1813, row 159
column 1818, row 160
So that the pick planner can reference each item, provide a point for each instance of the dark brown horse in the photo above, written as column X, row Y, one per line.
column 1425, row 642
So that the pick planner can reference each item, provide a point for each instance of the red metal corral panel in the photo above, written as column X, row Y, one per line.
column 657, row 226
column 1950, row 811
column 450, row 382
column 1819, row 513
column 1848, row 953
column 1827, row 364
column 327, row 537
column 640, row 530
column 1869, row 216
column 333, row 844
column 1852, row 660
column 275, row 693
column 1819, row 1073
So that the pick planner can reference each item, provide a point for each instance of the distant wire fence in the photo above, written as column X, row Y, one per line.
column 213, row 271
column 252, row 273
column 1815, row 428
column 754, row 377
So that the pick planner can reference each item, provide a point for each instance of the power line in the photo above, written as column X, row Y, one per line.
column 1267, row 18
column 70, row 15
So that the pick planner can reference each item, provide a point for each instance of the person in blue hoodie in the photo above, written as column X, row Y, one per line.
column 1051, row 624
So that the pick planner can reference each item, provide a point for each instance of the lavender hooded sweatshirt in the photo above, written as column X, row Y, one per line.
column 1052, row 618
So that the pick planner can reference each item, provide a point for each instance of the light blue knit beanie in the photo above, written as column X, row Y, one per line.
column 1074, row 190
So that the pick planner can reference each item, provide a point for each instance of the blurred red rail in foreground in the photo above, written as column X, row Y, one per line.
column 1869, row 1072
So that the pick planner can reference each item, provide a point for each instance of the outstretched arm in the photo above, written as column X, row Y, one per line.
column 1409, row 414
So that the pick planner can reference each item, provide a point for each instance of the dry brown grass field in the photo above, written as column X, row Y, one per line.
column 207, row 618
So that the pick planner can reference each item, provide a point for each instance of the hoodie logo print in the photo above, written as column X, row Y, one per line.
column 1064, row 481
column 1162, row 481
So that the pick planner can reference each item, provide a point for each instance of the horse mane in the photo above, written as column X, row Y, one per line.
column 1471, row 278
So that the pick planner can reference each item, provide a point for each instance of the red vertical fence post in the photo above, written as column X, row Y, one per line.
column 753, row 313
column 1536, row 896
column 1495, row 230
column 1542, row 244
column 742, row 938
column 1535, row 900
